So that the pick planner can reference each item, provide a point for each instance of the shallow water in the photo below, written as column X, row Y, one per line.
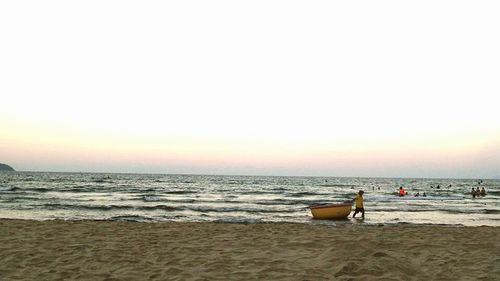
column 141, row 197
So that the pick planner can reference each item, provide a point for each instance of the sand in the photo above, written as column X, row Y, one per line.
column 104, row 250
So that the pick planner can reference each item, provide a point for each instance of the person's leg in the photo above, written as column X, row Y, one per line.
column 355, row 212
column 363, row 213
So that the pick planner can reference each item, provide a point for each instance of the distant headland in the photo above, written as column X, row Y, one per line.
column 5, row 167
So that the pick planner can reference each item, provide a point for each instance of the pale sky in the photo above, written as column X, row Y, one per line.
column 330, row 88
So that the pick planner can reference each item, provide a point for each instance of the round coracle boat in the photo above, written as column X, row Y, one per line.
column 331, row 211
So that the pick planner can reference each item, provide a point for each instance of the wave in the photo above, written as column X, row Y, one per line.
column 79, row 190
column 13, row 188
column 308, row 193
column 157, row 207
column 151, row 198
column 27, row 179
column 336, row 185
column 252, row 192
column 234, row 209
column 155, row 198
column 16, row 198
column 101, row 181
column 234, row 182
column 134, row 218
column 178, row 192
column 275, row 202
column 451, row 211
column 36, row 189
column 57, row 206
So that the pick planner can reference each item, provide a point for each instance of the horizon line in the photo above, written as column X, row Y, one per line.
column 243, row 175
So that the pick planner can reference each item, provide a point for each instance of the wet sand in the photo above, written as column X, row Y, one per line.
column 105, row 250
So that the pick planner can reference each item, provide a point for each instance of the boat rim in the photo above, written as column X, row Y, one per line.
column 330, row 205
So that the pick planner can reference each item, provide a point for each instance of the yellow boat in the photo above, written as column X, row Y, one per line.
column 331, row 211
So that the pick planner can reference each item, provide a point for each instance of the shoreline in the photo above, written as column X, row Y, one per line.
column 124, row 250
column 310, row 221
column 313, row 222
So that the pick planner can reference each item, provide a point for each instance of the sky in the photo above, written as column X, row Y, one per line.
column 300, row 88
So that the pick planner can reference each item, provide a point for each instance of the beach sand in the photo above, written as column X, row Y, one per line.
column 105, row 250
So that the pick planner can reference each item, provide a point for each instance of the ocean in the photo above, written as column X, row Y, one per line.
column 241, row 199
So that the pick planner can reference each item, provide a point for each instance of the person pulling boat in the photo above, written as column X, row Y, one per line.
column 359, row 205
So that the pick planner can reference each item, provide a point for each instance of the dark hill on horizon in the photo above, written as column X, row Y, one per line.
column 5, row 167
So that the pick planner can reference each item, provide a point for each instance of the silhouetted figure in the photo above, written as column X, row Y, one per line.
column 483, row 191
column 401, row 191
column 473, row 193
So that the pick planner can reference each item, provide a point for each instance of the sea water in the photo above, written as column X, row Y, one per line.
column 243, row 199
